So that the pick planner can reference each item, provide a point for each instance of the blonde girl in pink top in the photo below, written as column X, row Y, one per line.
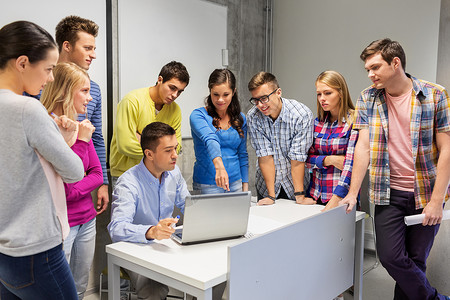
column 69, row 95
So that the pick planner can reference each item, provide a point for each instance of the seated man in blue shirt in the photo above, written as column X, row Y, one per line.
column 144, row 197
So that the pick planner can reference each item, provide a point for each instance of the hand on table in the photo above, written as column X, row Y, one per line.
column 350, row 201
column 304, row 200
column 332, row 203
column 265, row 201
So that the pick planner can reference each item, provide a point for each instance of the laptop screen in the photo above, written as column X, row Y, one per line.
column 215, row 216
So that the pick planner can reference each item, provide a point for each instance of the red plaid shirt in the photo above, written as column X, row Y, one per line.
column 331, row 139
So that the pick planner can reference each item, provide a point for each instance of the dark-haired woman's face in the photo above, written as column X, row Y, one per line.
column 36, row 75
column 221, row 96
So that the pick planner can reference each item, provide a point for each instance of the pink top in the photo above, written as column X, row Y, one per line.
column 80, row 207
column 57, row 190
column 401, row 160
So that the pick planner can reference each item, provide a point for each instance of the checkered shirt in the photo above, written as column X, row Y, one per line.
column 331, row 139
column 430, row 113
column 287, row 138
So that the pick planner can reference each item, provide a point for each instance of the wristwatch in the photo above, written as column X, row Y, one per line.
column 302, row 193
column 272, row 198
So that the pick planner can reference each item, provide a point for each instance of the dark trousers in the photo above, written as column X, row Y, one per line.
column 403, row 250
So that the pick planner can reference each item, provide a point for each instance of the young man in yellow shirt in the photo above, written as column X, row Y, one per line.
column 141, row 107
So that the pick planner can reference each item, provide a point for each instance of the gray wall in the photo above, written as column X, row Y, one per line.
column 314, row 36
column 187, row 39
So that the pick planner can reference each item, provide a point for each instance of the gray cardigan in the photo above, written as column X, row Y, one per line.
column 28, row 221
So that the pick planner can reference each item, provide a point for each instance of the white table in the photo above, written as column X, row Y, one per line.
column 196, row 269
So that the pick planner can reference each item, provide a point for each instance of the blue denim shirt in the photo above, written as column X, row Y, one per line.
column 141, row 201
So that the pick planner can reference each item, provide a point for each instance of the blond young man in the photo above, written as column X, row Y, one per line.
column 75, row 37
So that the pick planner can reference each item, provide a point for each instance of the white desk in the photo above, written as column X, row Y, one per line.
column 196, row 269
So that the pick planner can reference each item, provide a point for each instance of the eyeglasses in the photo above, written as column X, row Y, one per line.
column 262, row 99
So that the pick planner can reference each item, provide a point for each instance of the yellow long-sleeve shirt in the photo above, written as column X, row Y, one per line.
column 135, row 111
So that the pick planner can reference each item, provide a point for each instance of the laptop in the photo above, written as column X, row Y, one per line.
column 214, row 217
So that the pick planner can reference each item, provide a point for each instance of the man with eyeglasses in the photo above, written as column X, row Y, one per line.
column 281, row 132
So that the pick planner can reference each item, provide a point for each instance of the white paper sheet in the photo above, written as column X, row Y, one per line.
column 418, row 219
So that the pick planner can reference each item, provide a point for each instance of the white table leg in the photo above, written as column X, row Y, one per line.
column 113, row 280
column 359, row 259
column 207, row 295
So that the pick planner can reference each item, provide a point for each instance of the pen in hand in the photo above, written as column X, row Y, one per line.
column 174, row 224
column 54, row 116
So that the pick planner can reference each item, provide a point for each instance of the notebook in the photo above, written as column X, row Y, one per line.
column 214, row 217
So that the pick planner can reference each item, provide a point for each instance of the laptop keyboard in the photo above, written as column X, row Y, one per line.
column 249, row 235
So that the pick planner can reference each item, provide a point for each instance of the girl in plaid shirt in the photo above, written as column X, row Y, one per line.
column 330, row 158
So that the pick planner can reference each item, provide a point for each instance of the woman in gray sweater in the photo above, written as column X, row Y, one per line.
column 35, row 159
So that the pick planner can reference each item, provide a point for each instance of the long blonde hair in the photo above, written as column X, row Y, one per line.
column 346, row 108
column 59, row 93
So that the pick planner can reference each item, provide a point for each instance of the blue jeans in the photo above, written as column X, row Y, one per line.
column 79, row 248
column 42, row 276
column 235, row 186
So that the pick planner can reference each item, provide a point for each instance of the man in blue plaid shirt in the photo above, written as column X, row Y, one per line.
column 281, row 132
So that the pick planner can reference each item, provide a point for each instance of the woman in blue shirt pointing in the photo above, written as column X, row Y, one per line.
column 219, row 131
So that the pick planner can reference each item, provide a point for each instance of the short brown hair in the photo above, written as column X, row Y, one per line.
column 387, row 48
column 176, row 70
column 262, row 78
column 152, row 133
column 68, row 28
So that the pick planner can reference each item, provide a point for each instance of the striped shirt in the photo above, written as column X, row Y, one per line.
column 94, row 111
column 430, row 113
column 287, row 138
column 331, row 139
